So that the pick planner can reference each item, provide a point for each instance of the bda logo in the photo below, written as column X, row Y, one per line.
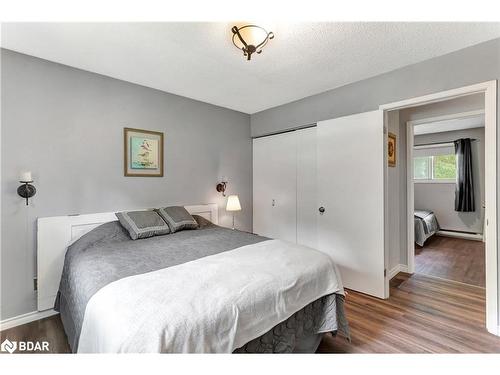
column 8, row 346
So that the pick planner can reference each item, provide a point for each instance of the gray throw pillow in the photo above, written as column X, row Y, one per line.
column 202, row 222
column 143, row 224
column 177, row 218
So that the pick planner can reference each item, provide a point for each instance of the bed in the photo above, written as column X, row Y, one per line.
column 210, row 289
column 426, row 225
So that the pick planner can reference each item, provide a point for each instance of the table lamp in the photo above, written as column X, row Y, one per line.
column 233, row 204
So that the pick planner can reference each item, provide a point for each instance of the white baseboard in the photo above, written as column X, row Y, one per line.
column 495, row 330
column 25, row 318
column 397, row 269
column 466, row 236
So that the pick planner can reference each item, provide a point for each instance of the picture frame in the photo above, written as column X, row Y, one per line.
column 391, row 149
column 143, row 153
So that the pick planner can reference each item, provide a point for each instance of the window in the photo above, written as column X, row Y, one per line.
column 422, row 167
column 434, row 164
column 444, row 167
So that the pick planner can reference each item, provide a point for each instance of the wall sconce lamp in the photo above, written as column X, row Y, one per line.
column 26, row 190
column 221, row 186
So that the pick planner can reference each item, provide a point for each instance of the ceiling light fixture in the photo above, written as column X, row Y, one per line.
column 250, row 39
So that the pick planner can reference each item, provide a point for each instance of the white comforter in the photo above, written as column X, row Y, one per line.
column 213, row 304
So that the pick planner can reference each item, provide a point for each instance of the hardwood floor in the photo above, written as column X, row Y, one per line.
column 423, row 315
column 452, row 259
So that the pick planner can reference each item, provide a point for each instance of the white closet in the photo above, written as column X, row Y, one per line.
column 307, row 197
column 323, row 187
column 284, row 186
column 275, row 186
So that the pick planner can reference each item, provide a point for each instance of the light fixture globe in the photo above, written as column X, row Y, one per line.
column 250, row 39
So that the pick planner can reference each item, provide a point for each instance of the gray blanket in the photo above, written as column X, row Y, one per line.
column 426, row 225
column 422, row 214
column 107, row 254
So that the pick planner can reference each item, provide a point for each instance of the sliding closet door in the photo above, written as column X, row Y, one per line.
column 351, row 191
column 275, row 186
column 307, row 186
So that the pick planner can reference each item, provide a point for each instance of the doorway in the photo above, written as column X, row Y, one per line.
column 448, row 240
column 407, row 257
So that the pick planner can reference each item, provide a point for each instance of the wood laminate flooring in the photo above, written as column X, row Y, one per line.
column 48, row 329
column 452, row 259
column 423, row 315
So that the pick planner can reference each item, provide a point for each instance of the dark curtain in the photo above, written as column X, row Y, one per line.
column 464, row 188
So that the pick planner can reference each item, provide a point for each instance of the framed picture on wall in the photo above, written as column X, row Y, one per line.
column 143, row 153
column 391, row 149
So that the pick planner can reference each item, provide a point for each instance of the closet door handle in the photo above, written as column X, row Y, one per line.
column 321, row 210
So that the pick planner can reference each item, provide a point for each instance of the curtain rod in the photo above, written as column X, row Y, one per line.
column 441, row 143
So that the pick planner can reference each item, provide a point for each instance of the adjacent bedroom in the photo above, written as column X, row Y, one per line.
column 448, row 185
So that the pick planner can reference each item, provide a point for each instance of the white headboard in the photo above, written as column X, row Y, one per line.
column 56, row 233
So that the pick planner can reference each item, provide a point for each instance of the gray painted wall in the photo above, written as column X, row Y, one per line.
column 440, row 197
column 66, row 126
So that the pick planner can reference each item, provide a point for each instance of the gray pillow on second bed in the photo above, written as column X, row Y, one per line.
column 177, row 218
column 143, row 224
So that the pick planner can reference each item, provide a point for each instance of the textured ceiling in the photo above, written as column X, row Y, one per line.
column 197, row 60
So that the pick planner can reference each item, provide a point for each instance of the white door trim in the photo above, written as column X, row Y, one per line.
column 410, row 199
column 489, row 89
column 478, row 88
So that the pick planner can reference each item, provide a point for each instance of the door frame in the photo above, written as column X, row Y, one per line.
column 489, row 89
column 410, row 187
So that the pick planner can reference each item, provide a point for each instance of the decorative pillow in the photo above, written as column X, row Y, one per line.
column 177, row 218
column 202, row 222
column 143, row 224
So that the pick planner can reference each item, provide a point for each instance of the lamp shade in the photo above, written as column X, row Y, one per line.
column 233, row 203
column 25, row 177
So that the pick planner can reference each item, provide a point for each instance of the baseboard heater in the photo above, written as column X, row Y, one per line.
column 457, row 234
